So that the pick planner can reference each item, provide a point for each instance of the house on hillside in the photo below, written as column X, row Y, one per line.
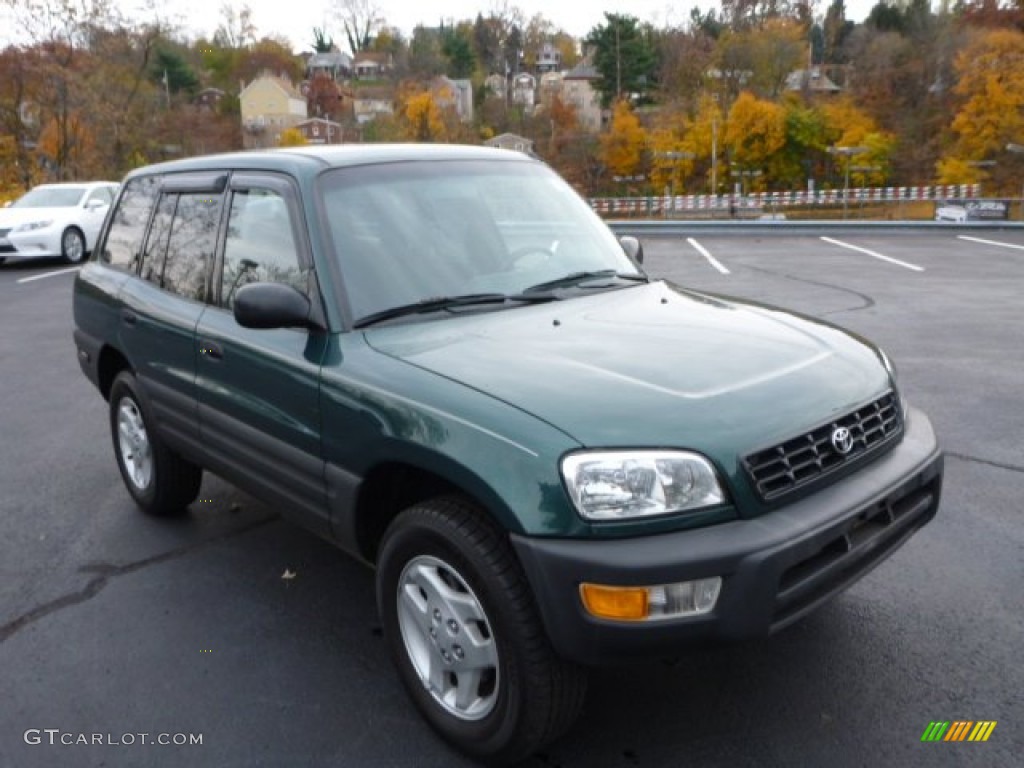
column 456, row 94
column 208, row 99
column 370, row 103
column 370, row 65
column 578, row 89
column 524, row 90
column 511, row 141
column 496, row 85
column 811, row 80
column 269, row 105
column 318, row 130
column 549, row 59
column 334, row 64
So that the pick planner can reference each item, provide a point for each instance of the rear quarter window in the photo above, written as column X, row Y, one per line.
column 123, row 246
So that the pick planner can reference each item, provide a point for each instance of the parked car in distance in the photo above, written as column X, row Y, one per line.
column 955, row 213
column 442, row 360
column 55, row 220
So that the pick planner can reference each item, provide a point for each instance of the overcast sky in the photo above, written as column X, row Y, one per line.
column 295, row 20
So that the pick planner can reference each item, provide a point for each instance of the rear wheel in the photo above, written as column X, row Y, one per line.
column 160, row 481
column 462, row 628
column 72, row 245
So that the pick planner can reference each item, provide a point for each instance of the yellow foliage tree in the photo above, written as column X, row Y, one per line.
column 622, row 148
column 422, row 119
column 990, row 71
column 292, row 137
column 846, row 125
column 755, row 131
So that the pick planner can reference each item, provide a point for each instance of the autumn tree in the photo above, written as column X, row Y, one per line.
column 360, row 19
column 754, row 132
column 990, row 87
column 622, row 148
column 422, row 118
column 323, row 98
column 291, row 137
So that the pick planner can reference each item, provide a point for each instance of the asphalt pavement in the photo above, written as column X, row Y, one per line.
column 240, row 629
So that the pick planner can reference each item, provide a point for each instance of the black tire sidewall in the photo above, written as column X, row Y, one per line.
column 419, row 535
column 81, row 236
column 125, row 386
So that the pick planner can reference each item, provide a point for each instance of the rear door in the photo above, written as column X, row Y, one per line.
column 259, row 390
column 161, row 307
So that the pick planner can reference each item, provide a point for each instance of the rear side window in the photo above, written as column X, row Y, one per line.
column 260, row 244
column 123, row 247
column 180, row 247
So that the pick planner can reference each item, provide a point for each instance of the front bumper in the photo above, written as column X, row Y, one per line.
column 775, row 568
column 39, row 244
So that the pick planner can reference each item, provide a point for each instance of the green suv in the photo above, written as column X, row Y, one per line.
column 440, row 359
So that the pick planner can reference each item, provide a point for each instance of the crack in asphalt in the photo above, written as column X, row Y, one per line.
column 107, row 571
column 986, row 462
column 868, row 301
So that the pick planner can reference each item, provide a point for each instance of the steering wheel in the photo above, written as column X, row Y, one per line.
column 531, row 256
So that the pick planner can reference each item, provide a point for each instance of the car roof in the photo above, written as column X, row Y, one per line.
column 313, row 159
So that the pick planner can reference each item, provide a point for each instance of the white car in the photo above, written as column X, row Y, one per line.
column 951, row 213
column 55, row 220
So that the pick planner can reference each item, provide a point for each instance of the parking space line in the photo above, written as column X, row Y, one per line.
column 711, row 259
column 875, row 254
column 991, row 242
column 47, row 274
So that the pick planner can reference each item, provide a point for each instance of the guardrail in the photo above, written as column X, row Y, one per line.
column 668, row 204
column 683, row 227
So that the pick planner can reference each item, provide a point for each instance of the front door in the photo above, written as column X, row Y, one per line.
column 259, row 390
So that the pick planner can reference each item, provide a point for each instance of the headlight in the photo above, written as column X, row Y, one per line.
column 33, row 225
column 617, row 485
column 894, row 376
column 890, row 367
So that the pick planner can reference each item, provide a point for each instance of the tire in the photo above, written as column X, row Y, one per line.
column 72, row 245
column 161, row 482
column 460, row 622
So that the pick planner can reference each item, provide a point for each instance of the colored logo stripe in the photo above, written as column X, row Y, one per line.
column 958, row 730
column 982, row 731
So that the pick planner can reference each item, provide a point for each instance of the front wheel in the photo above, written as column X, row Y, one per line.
column 462, row 628
column 72, row 245
column 160, row 481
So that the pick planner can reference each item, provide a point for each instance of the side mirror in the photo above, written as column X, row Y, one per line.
column 271, row 305
column 93, row 205
column 632, row 247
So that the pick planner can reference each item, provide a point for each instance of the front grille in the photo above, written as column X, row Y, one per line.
column 806, row 458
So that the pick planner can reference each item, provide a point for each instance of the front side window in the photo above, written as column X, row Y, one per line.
column 123, row 247
column 260, row 245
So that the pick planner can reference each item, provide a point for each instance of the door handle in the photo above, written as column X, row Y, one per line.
column 210, row 349
column 128, row 317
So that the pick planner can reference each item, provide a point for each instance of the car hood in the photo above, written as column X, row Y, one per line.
column 12, row 217
column 652, row 366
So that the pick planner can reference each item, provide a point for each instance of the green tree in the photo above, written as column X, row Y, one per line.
column 169, row 64
column 624, row 57
column 458, row 49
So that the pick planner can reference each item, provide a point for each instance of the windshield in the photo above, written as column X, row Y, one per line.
column 415, row 231
column 50, row 197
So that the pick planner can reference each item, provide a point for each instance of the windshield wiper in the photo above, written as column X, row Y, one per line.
column 581, row 277
column 439, row 303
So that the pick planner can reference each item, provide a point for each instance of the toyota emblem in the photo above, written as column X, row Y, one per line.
column 842, row 440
